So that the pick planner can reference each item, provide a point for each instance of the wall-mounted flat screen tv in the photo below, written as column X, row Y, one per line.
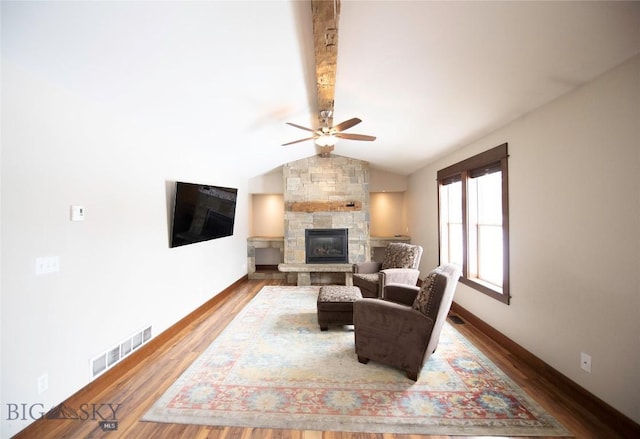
column 202, row 213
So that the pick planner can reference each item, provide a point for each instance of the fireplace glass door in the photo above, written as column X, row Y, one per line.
column 326, row 246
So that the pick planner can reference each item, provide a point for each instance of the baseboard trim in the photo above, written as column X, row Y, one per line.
column 597, row 407
column 107, row 379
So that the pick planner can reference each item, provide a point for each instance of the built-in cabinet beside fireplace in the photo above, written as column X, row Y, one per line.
column 264, row 253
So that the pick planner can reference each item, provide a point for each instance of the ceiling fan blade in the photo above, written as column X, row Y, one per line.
column 354, row 136
column 297, row 141
column 346, row 124
column 301, row 127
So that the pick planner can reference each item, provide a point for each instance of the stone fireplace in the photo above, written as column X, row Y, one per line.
column 318, row 193
column 326, row 193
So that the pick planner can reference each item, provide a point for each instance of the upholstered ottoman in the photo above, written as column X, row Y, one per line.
column 335, row 305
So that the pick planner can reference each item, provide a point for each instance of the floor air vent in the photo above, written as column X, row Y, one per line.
column 112, row 356
column 457, row 320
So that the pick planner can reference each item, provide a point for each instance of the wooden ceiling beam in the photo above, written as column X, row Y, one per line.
column 326, row 14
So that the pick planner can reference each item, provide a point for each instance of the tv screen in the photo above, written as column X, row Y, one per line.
column 202, row 213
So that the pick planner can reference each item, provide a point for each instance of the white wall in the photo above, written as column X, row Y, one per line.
column 387, row 214
column 269, row 183
column 267, row 215
column 383, row 181
column 574, row 197
column 117, row 272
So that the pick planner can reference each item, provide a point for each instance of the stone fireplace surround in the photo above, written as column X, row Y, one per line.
column 324, row 193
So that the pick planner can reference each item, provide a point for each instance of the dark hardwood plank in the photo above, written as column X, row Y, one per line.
column 141, row 383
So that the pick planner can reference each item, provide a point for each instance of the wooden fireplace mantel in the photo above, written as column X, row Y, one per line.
column 323, row 206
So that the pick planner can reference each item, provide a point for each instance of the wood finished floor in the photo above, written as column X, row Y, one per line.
column 143, row 384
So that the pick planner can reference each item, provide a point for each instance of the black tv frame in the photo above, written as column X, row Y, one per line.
column 202, row 212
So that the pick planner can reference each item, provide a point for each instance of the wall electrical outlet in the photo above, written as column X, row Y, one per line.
column 43, row 383
column 585, row 362
column 48, row 264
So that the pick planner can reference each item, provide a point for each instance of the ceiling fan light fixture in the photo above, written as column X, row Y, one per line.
column 326, row 140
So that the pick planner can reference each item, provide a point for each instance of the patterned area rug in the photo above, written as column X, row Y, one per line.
column 272, row 367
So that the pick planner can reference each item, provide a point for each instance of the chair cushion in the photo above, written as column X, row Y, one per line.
column 369, row 283
column 400, row 255
column 339, row 294
column 430, row 295
column 369, row 277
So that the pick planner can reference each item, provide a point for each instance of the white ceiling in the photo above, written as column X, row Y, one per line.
column 425, row 77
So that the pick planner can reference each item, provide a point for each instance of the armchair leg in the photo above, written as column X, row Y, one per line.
column 363, row 360
column 412, row 375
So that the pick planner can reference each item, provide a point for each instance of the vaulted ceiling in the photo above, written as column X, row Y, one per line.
column 425, row 77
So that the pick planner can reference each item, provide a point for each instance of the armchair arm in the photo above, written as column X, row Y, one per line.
column 407, row 276
column 367, row 267
column 399, row 293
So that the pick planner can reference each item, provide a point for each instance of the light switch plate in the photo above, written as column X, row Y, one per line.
column 77, row 213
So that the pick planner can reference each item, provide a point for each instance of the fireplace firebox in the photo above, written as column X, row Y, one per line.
column 327, row 246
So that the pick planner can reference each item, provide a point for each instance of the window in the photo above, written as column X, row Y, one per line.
column 474, row 221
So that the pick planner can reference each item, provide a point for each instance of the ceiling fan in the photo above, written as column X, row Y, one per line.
column 325, row 39
column 327, row 136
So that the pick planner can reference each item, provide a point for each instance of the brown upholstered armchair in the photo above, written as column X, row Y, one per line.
column 403, row 329
column 400, row 265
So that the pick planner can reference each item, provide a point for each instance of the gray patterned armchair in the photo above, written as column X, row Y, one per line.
column 399, row 266
column 403, row 330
